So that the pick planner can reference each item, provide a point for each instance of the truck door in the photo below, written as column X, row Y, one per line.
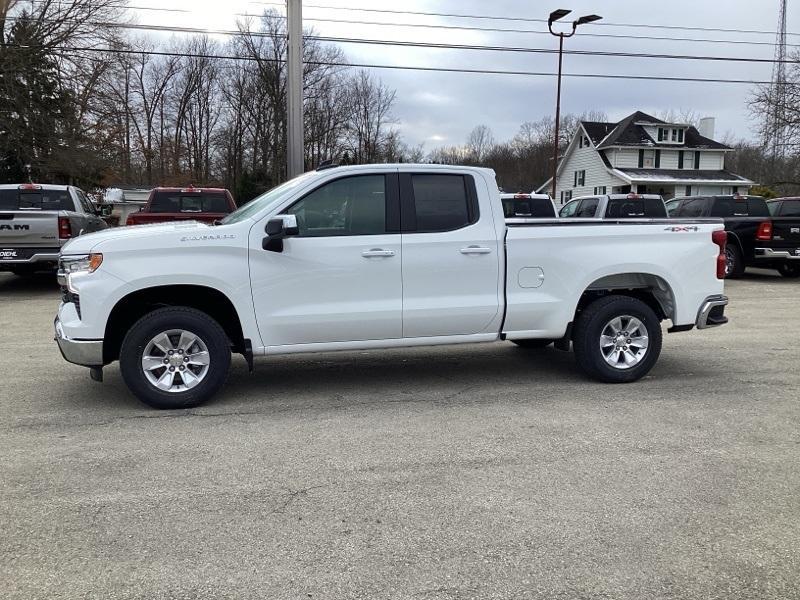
column 339, row 279
column 451, row 262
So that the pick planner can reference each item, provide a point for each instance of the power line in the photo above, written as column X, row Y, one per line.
column 491, row 29
column 519, row 19
column 471, row 47
column 404, row 67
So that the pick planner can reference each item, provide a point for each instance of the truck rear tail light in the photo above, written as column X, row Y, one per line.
column 764, row 233
column 64, row 228
column 720, row 238
column 30, row 186
column 633, row 196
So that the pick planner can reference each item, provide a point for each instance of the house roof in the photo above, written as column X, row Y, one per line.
column 687, row 176
column 630, row 132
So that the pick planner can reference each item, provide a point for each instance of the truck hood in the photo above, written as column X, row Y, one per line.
column 88, row 242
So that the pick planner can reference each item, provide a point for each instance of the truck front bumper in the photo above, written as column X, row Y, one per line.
column 712, row 312
column 87, row 353
column 769, row 253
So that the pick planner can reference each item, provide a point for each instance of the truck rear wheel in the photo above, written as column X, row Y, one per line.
column 789, row 270
column 734, row 263
column 175, row 357
column 617, row 339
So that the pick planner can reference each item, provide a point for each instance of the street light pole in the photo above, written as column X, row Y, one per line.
column 555, row 16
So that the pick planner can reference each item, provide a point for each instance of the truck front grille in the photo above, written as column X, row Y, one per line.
column 67, row 297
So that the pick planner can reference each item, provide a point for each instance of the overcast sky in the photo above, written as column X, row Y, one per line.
column 441, row 108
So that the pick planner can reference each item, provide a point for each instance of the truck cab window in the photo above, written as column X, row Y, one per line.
column 588, row 208
column 441, row 202
column 569, row 209
column 348, row 206
column 692, row 208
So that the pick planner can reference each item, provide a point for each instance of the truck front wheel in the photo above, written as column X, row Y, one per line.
column 175, row 357
column 617, row 339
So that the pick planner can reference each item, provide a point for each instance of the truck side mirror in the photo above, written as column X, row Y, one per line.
column 277, row 229
column 106, row 210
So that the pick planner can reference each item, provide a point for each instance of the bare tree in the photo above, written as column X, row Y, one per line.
column 479, row 143
column 369, row 103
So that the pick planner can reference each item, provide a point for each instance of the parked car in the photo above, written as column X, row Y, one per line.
column 184, row 204
column 379, row 256
column 756, row 238
column 36, row 220
column 528, row 206
column 615, row 206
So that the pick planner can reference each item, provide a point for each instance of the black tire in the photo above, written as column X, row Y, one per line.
column 789, row 270
column 590, row 326
column 533, row 344
column 734, row 262
column 175, row 318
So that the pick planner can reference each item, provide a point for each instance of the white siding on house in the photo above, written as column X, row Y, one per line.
column 626, row 158
column 584, row 159
column 712, row 161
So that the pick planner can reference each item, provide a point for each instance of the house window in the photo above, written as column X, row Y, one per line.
column 599, row 190
column 680, row 159
column 669, row 135
column 647, row 159
column 697, row 160
column 579, row 179
column 688, row 190
column 566, row 197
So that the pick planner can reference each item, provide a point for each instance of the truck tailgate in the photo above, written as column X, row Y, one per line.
column 28, row 228
column 786, row 231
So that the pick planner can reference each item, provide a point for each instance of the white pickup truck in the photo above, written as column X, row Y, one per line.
column 379, row 256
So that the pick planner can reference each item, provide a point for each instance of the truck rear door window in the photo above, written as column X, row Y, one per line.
column 588, row 208
column 441, row 202
column 739, row 207
column 631, row 208
column 693, row 208
column 790, row 208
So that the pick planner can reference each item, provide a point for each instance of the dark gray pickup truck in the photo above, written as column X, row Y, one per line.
column 757, row 237
column 36, row 220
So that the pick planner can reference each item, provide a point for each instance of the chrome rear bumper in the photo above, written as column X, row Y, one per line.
column 712, row 312
column 767, row 253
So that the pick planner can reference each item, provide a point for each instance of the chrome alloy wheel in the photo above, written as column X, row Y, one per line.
column 175, row 360
column 624, row 342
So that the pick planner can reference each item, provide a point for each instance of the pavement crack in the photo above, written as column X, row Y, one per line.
column 293, row 495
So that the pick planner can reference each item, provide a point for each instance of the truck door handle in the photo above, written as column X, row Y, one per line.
column 377, row 252
column 475, row 250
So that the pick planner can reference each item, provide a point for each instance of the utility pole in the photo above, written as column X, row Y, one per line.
column 555, row 16
column 294, row 125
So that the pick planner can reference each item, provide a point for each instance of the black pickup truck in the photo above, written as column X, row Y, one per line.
column 756, row 238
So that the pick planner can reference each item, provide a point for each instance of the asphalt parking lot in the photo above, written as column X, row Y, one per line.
column 461, row 472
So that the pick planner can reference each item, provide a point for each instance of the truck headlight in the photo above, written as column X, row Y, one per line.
column 77, row 264
column 80, row 263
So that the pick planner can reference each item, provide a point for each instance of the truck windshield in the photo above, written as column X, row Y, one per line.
column 173, row 202
column 626, row 208
column 15, row 199
column 267, row 199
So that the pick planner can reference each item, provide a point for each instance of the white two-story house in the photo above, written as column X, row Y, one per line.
column 645, row 155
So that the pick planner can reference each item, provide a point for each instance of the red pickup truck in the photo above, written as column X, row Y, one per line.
column 184, row 204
